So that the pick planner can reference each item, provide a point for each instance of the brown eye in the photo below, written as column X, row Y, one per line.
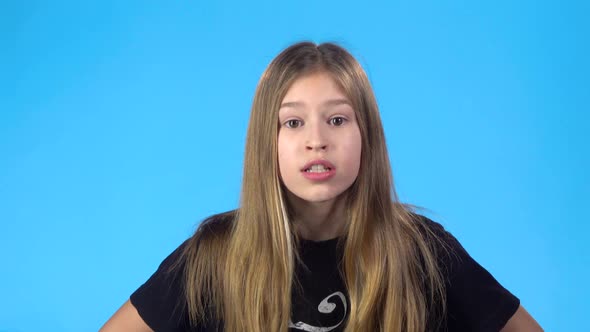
column 292, row 123
column 337, row 121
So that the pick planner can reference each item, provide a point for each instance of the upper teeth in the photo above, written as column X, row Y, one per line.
column 317, row 168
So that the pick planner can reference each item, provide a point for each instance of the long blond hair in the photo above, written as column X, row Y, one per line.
column 240, row 265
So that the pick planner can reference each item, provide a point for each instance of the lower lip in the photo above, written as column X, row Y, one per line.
column 319, row 176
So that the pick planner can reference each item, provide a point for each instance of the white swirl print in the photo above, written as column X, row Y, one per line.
column 324, row 307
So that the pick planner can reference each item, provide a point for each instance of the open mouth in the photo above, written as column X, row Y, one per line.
column 318, row 169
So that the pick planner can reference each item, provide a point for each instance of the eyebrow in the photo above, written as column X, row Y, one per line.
column 331, row 102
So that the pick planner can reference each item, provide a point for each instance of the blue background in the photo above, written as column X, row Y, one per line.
column 122, row 125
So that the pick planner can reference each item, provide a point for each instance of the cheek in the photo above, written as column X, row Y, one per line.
column 354, row 147
column 282, row 165
column 283, row 155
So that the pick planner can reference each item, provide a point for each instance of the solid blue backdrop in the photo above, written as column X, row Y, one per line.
column 122, row 125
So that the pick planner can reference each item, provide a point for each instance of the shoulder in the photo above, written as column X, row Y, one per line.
column 428, row 226
column 218, row 223
column 160, row 301
column 212, row 230
column 454, row 261
column 475, row 300
column 443, row 244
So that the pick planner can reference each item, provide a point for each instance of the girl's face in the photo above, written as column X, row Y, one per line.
column 319, row 142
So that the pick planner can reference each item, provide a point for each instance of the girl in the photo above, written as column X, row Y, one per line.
column 320, row 241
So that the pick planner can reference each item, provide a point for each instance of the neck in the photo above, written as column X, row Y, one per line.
column 318, row 221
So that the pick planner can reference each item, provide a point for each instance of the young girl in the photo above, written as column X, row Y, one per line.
column 320, row 241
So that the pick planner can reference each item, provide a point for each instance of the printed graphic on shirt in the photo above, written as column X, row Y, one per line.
column 325, row 307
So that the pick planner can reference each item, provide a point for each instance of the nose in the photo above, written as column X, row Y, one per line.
column 316, row 139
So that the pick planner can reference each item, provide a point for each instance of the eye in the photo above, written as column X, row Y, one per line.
column 293, row 123
column 337, row 121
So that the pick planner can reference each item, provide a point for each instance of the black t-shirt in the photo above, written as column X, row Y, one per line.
column 475, row 300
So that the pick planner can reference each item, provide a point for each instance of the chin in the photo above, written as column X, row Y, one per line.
column 319, row 197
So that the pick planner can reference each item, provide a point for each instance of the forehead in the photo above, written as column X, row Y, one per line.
column 316, row 88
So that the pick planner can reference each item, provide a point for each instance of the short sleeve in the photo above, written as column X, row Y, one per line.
column 476, row 301
column 160, row 300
